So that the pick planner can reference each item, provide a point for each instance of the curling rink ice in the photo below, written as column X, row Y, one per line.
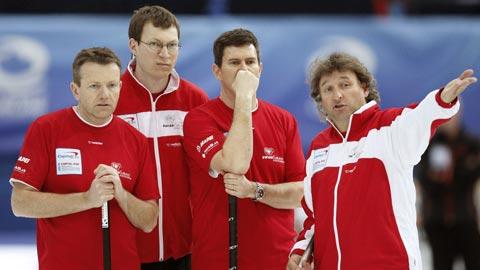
column 23, row 256
column 18, row 257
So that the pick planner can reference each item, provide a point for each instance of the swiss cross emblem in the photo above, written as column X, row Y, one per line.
column 117, row 166
column 268, row 151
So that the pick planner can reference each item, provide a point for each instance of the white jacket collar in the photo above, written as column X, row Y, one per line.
column 173, row 82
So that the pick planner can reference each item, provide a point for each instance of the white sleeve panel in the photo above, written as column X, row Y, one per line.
column 307, row 232
column 307, row 182
column 411, row 131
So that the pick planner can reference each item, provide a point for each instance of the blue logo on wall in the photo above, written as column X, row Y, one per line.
column 24, row 63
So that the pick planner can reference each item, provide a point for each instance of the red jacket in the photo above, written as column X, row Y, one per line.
column 161, row 121
column 359, row 190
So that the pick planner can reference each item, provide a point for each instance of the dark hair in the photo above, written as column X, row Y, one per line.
column 236, row 37
column 157, row 15
column 340, row 62
column 102, row 56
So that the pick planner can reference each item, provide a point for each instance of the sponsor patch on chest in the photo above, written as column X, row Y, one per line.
column 118, row 167
column 269, row 153
column 320, row 157
column 131, row 119
column 68, row 161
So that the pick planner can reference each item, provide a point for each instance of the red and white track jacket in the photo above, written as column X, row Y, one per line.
column 161, row 121
column 359, row 190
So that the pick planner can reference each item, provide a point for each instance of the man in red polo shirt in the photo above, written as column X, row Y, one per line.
column 242, row 146
column 73, row 161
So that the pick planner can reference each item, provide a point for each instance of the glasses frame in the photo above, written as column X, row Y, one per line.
column 172, row 47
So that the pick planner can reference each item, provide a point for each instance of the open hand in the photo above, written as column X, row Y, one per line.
column 455, row 87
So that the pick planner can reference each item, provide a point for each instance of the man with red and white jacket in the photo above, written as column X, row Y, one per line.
column 359, row 190
column 154, row 99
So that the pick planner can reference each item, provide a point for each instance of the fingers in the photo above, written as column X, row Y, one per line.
column 103, row 170
column 293, row 262
column 237, row 185
column 106, row 197
column 100, row 191
column 107, row 173
column 100, row 168
column 116, row 184
column 231, row 192
column 246, row 72
column 233, row 180
column 465, row 74
column 245, row 83
column 103, row 186
column 230, row 186
column 307, row 266
column 465, row 79
column 457, row 86
column 232, row 176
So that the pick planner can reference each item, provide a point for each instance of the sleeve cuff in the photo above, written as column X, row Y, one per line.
column 213, row 173
column 13, row 180
column 442, row 103
column 297, row 251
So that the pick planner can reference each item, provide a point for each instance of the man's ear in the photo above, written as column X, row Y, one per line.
column 75, row 90
column 133, row 46
column 365, row 90
column 217, row 72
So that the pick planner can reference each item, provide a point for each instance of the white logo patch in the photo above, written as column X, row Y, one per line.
column 69, row 161
column 269, row 154
column 23, row 159
column 320, row 157
column 131, row 119
column 118, row 167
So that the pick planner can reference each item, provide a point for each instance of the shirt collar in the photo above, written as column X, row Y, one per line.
column 173, row 82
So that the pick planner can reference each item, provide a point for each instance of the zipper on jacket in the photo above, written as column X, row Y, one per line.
column 335, row 194
column 159, row 182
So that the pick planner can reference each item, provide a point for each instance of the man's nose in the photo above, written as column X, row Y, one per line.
column 243, row 66
column 103, row 92
column 163, row 52
column 337, row 94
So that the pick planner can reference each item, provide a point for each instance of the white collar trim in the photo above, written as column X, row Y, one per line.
column 90, row 124
column 173, row 82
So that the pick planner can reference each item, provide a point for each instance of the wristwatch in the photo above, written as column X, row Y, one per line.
column 259, row 192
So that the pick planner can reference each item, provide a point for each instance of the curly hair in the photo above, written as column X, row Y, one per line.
column 340, row 62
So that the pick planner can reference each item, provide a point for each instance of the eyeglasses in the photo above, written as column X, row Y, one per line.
column 172, row 47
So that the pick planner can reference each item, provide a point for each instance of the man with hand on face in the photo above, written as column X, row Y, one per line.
column 73, row 161
column 359, row 189
column 155, row 100
column 242, row 146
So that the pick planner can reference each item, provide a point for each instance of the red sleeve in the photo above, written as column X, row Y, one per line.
column 202, row 138
column 146, row 187
column 32, row 164
column 294, row 158
column 437, row 123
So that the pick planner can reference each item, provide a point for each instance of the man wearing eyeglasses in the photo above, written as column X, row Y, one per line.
column 155, row 100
